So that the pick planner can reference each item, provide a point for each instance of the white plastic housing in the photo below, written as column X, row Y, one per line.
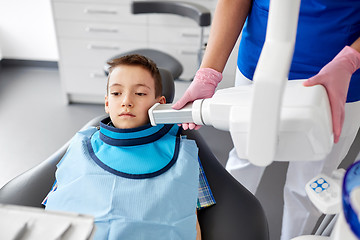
column 325, row 193
column 305, row 131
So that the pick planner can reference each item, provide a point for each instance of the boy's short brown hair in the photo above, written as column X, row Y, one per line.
column 137, row 60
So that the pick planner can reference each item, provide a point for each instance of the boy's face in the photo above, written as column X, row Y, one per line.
column 130, row 95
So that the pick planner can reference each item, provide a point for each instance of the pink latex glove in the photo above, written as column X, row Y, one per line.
column 203, row 86
column 335, row 77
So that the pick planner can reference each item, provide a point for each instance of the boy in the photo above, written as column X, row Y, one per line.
column 138, row 181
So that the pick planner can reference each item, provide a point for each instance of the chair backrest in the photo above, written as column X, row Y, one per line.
column 168, row 86
column 196, row 12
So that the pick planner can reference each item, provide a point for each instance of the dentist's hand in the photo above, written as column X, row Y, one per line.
column 203, row 86
column 335, row 77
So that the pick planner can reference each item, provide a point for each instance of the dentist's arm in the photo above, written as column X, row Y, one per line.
column 226, row 26
column 335, row 77
column 229, row 19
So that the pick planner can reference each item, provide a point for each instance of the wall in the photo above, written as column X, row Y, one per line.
column 27, row 30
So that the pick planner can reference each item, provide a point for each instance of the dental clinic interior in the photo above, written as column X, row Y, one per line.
column 53, row 76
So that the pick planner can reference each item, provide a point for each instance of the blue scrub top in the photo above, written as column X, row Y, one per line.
column 325, row 27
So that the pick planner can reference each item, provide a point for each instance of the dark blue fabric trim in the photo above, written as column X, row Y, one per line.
column 136, row 141
column 135, row 176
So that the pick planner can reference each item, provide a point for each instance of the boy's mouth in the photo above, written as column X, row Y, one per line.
column 126, row 114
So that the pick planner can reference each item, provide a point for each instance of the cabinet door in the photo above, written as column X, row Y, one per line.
column 178, row 35
column 96, row 12
column 103, row 31
column 92, row 53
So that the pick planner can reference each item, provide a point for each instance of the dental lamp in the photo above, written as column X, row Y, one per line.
column 273, row 118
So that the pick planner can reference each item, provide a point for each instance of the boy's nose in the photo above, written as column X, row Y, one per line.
column 127, row 101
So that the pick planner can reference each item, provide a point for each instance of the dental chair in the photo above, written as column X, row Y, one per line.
column 196, row 12
column 237, row 214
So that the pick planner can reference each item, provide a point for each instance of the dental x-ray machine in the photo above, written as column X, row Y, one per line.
column 273, row 118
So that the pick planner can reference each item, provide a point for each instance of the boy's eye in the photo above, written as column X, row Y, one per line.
column 115, row 93
column 140, row 94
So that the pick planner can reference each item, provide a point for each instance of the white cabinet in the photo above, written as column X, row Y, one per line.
column 91, row 31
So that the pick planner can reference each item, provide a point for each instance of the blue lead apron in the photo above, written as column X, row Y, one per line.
column 325, row 28
column 138, row 183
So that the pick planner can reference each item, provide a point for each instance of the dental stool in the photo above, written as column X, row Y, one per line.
column 237, row 214
column 198, row 13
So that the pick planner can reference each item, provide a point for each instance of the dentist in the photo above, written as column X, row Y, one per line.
column 327, row 52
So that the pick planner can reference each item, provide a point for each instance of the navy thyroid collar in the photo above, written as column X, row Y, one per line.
column 132, row 136
column 138, row 153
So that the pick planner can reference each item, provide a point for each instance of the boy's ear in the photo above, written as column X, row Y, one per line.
column 162, row 100
column 106, row 104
